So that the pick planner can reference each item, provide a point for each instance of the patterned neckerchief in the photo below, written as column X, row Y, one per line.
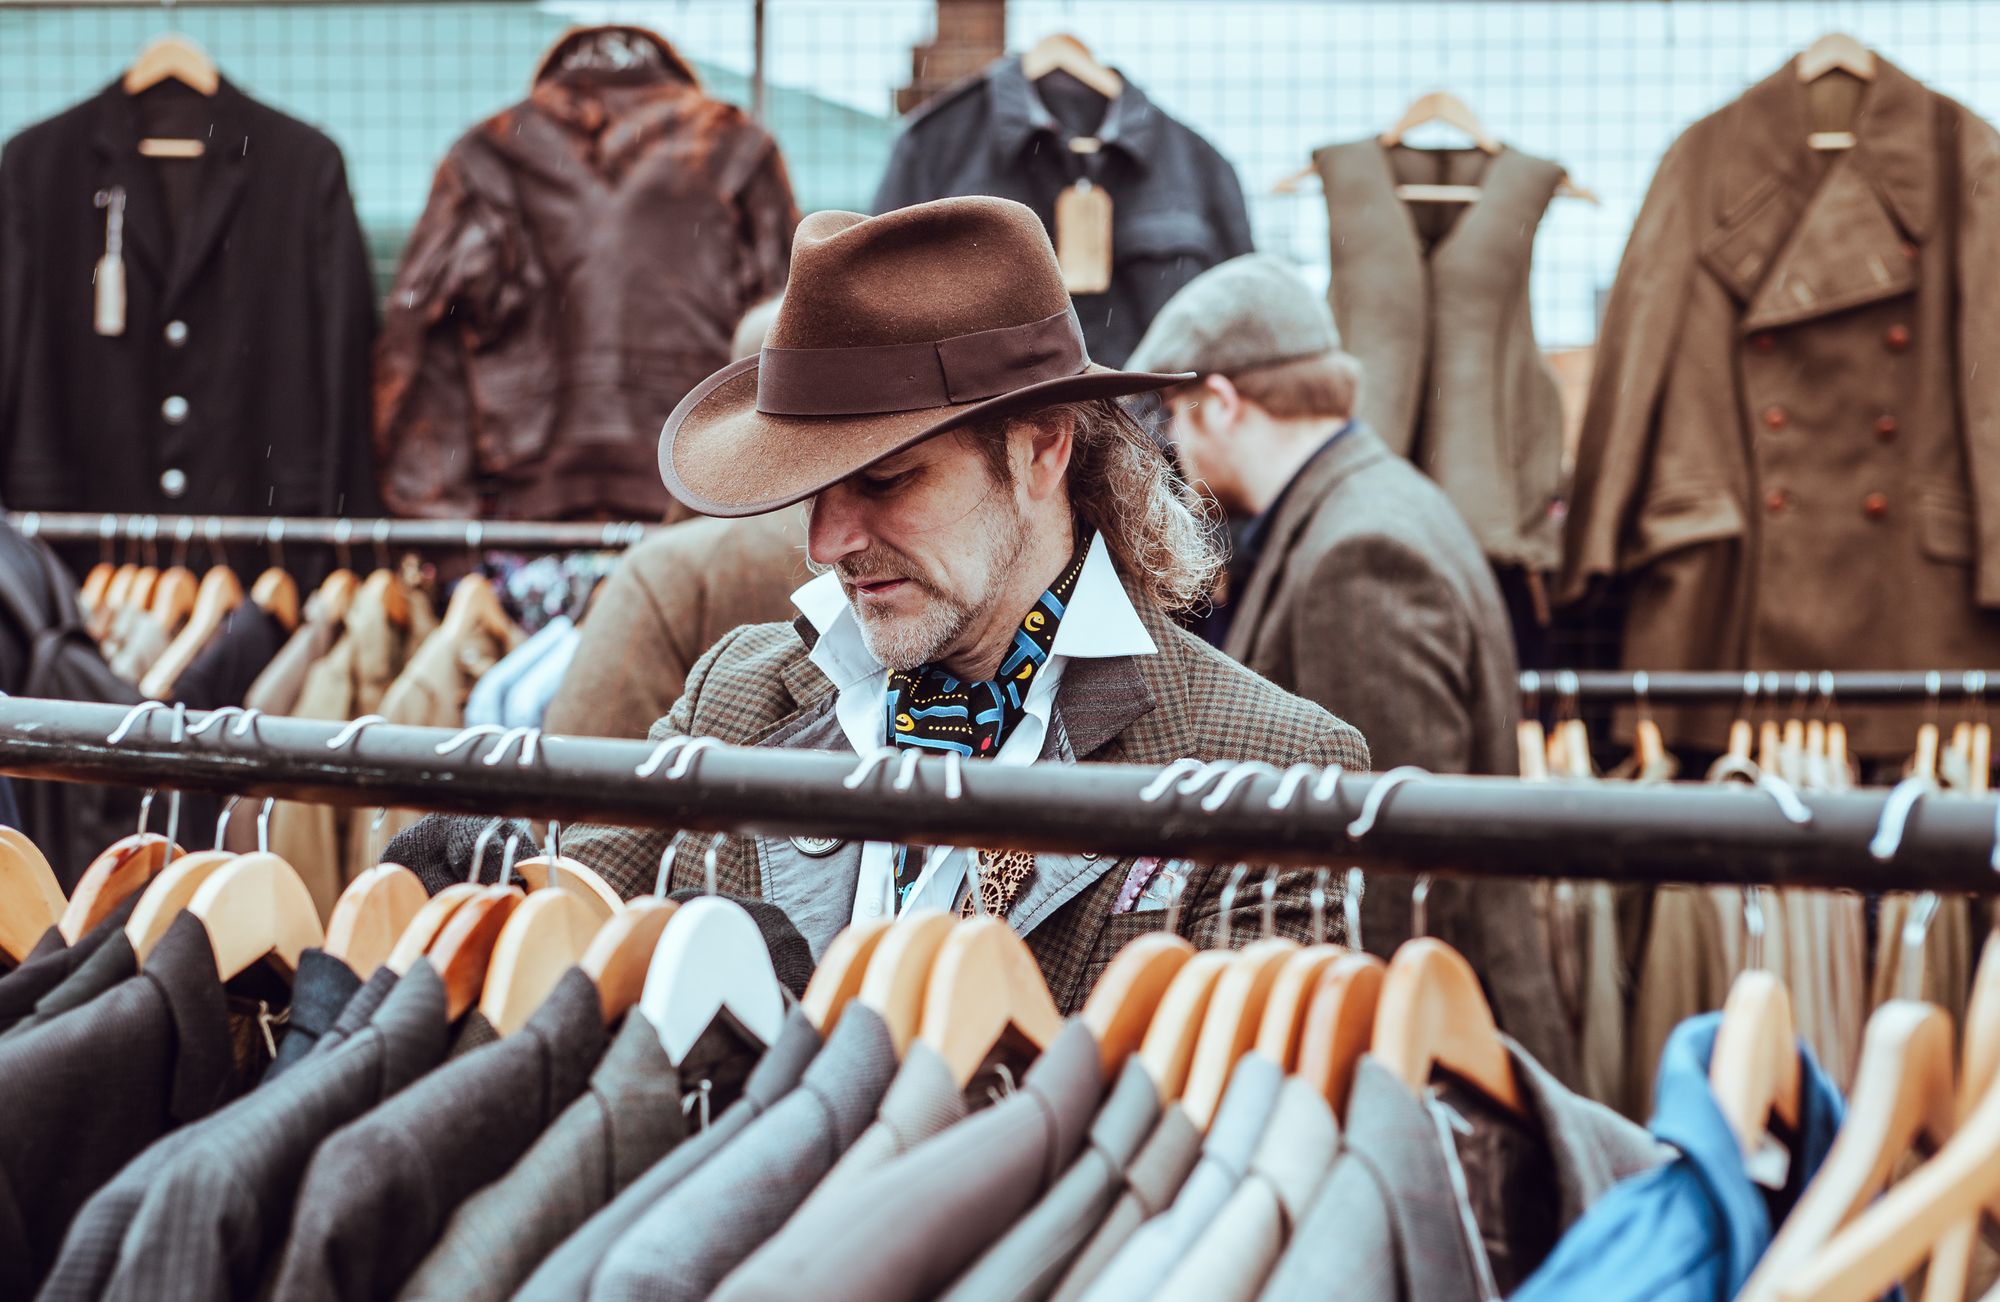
column 930, row 709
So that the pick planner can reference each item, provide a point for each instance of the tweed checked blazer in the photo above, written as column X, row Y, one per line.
column 757, row 687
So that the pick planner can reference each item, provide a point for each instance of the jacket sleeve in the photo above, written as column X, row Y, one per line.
column 466, row 275
column 1634, row 348
column 1380, row 631
column 1231, row 215
column 347, row 317
column 631, row 663
column 1978, row 222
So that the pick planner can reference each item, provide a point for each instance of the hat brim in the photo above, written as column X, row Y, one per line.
column 723, row 457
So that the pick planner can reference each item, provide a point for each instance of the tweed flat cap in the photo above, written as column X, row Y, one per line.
column 1248, row 312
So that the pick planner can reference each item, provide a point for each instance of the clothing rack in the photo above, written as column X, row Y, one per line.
column 410, row 535
column 1753, row 688
column 1403, row 821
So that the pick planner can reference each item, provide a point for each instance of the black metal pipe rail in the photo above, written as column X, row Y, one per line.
column 417, row 535
column 1751, row 689
column 1398, row 822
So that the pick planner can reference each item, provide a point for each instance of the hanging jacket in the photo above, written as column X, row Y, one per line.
column 1433, row 300
column 239, row 382
column 1176, row 205
column 582, row 262
column 1791, row 451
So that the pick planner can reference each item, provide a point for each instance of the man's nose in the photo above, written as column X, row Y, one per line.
column 834, row 527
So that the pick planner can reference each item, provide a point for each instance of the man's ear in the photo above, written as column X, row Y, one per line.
column 1042, row 446
column 1220, row 405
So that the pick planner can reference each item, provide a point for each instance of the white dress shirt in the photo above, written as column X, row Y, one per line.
column 1100, row 622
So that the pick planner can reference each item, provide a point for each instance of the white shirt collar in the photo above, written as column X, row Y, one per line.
column 1101, row 622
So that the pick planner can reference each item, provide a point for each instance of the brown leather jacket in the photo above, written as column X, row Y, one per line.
column 579, row 267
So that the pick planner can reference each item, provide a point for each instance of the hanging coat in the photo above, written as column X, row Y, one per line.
column 239, row 382
column 1792, row 445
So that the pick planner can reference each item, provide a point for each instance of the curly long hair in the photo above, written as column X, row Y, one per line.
column 1160, row 534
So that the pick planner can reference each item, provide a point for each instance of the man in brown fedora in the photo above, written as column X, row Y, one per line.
column 1001, row 549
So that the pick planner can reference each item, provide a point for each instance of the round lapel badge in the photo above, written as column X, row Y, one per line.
column 816, row 847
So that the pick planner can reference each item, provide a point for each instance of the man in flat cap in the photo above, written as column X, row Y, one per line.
column 1002, row 550
column 1355, row 583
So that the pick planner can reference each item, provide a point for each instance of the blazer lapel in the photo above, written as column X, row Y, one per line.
column 116, row 140
column 1356, row 450
column 224, row 169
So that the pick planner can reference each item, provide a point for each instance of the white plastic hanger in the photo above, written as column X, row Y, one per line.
column 711, row 958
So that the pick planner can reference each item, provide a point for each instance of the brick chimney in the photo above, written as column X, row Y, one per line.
column 970, row 35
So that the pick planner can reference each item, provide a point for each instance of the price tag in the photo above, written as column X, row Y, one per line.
column 1083, row 238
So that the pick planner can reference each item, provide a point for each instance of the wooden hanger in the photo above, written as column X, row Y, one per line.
column 384, row 589
column 167, row 895
column 1229, row 1027
column 711, row 959
column 173, row 598
column 475, row 609
column 1282, row 1027
column 985, row 980
column 424, row 929
column 1754, row 1070
column 1340, row 1022
column 119, row 589
column 1121, row 1005
column 31, row 899
column 1167, row 1052
column 1431, row 1013
column 257, row 907
column 277, row 595
column 567, row 875
column 1532, row 744
column 622, row 950
column 172, row 56
column 1902, row 1092
column 124, row 868
column 336, row 594
column 546, row 936
column 91, row 595
column 899, row 973
column 1061, row 52
column 1835, row 52
column 144, row 584
column 464, row 946
column 220, row 593
column 372, row 914
column 839, row 974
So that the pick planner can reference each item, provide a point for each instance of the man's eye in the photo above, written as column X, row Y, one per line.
column 883, row 483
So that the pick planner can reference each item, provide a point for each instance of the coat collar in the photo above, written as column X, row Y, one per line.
column 1351, row 453
column 1797, row 233
column 1131, row 123
column 222, row 172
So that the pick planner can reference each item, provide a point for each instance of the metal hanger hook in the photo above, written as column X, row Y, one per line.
column 1177, row 889
column 1378, row 795
column 906, row 772
column 507, row 858
column 708, row 869
column 146, row 809
column 661, row 754
column 528, row 737
column 137, row 712
column 245, row 720
column 486, row 835
column 1269, row 907
column 1753, row 929
column 466, row 736
column 1167, row 776
column 684, row 762
column 954, row 775
column 1321, row 877
column 347, row 736
column 667, row 864
column 264, row 824
column 274, row 543
column 1234, row 778
column 375, row 835
column 552, row 844
column 866, row 768
column 1228, row 903
column 1289, row 785
column 222, row 819
column 1350, row 906
column 1420, row 895
column 1896, row 810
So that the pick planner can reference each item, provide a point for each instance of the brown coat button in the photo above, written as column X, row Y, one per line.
column 1875, row 506
column 1777, row 500
column 1897, row 337
column 1763, row 341
column 1885, row 427
column 1775, row 418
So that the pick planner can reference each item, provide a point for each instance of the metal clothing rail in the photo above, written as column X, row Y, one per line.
column 418, row 535
column 1768, row 686
column 1400, row 821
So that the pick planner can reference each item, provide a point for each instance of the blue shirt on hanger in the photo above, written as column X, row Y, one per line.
column 1695, row 1227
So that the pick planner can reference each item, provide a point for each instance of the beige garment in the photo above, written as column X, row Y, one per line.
column 1684, row 971
column 429, row 693
column 1826, row 974
column 277, row 689
column 348, row 682
column 1943, row 974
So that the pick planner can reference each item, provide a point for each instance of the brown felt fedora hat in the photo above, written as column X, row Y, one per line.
column 892, row 329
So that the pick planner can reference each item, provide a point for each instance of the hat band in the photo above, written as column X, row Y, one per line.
column 916, row 377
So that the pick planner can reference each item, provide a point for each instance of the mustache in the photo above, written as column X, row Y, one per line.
column 875, row 566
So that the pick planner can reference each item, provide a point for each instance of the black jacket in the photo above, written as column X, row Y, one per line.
column 239, row 384
column 1176, row 206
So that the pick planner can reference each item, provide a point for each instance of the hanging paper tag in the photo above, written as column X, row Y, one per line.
column 1771, row 1165
column 1083, row 238
column 108, row 281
